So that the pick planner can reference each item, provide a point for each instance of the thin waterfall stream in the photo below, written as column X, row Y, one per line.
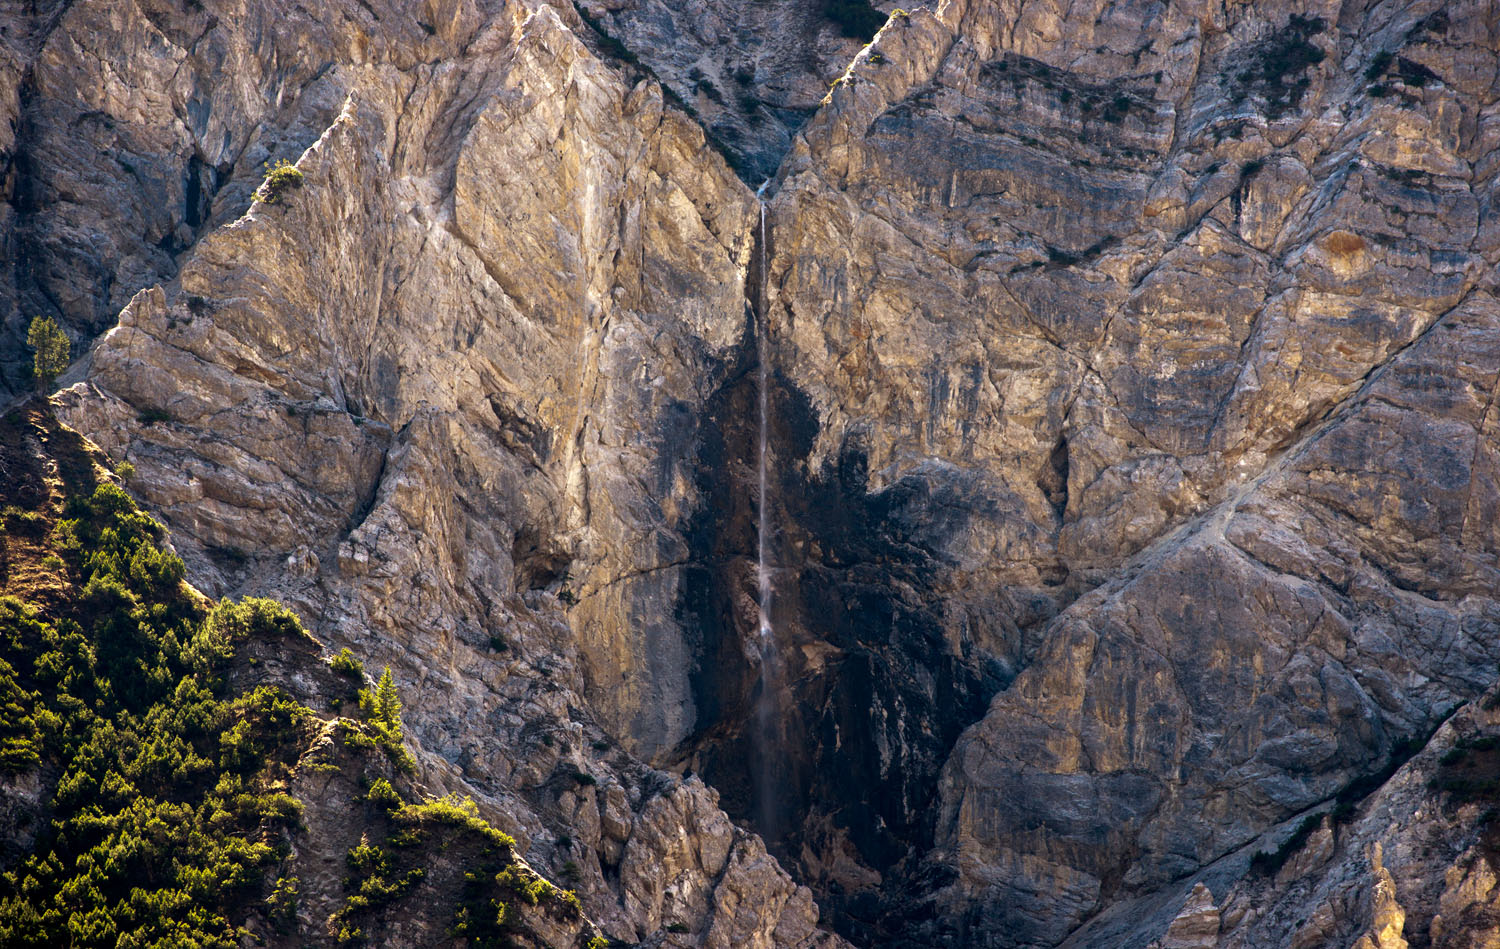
column 767, row 712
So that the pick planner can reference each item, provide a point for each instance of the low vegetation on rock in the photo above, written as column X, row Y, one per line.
column 168, row 814
column 281, row 176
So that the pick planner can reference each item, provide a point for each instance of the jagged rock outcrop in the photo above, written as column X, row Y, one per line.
column 1196, row 926
column 409, row 396
column 1198, row 415
column 750, row 73
column 1131, row 430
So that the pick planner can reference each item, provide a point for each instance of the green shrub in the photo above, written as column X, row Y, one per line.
column 167, row 819
column 281, row 176
column 1470, row 771
column 347, row 665
column 20, row 740
column 255, row 618
column 383, row 796
column 457, row 812
column 282, row 903
column 381, row 710
column 387, row 706
column 151, row 841
column 23, row 523
column 1278, row 71
column 536, row 889
column 1415, row 74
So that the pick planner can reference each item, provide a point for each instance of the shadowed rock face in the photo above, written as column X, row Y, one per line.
column 1131, row 431
column 750, row 73
column 1189, row 289
column 860, row 625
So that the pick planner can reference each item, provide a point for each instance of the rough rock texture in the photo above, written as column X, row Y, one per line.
column 1197, row 925
column 1197, row 320
column 449, row 380
column 1412, row 864
column 1133, row 460
column 751, row 73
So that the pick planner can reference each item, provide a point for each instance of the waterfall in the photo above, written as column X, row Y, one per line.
column 762, row 345
column 767, row 711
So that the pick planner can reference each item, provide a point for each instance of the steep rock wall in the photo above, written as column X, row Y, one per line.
column 445, row 388
column 1131, row 430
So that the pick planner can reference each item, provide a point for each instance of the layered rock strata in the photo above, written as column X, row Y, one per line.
column 1131, row 430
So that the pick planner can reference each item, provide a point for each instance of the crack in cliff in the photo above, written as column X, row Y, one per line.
column 1479, row 438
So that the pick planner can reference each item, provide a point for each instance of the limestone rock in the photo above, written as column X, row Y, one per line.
column 1130, row 444
column 441, row 384
column 1197, row 926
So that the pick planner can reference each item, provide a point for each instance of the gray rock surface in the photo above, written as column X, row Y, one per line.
column 435, row 393
column 1133, row 458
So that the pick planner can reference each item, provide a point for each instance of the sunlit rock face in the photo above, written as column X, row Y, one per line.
column 1129, row 437
column 1164, row 306
column 441, row 398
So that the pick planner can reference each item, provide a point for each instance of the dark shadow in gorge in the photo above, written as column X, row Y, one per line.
column 880, row 667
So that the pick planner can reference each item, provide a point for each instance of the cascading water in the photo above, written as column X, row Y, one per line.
column 762, row 345
column 767, row 712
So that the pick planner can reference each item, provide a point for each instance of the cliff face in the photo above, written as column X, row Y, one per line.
column 1129, row 378
column 449, row 379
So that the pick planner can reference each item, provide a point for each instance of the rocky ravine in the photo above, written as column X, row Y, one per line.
column 1131, row 429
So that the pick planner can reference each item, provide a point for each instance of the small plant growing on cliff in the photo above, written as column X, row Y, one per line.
column 383, row 796
column 346, row 665
column 1278, row 73
column 23, row 523
column 282, row 903
column 381, row 710
column 51, row 347
column 280, row 177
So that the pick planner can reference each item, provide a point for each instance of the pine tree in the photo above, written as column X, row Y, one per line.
column 52, row 349
column 388, row 705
